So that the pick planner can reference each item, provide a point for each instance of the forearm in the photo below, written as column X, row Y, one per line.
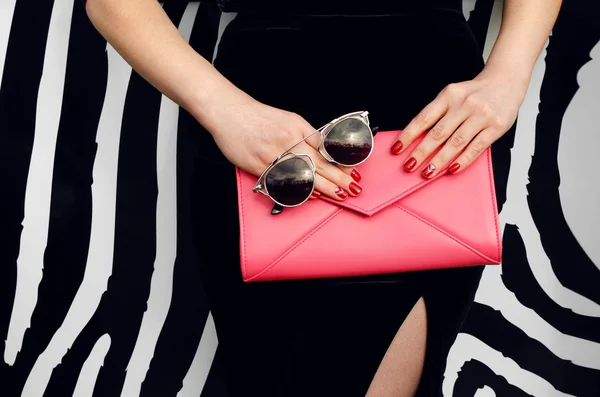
column 144, row 36
column 526, row 25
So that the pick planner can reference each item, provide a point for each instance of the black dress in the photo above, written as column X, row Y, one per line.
column 322, row 59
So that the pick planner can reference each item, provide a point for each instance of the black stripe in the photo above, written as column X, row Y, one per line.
column 489, row 326
column 204, row 40
column 475, row 375
column 518, row 278
column 70, row 212
column 125, row 300
column 188, row 312
column 502, row 158
column 18, row 104
column 216, row 385
column 206, row 29
column 479, row 20
column 570, row 263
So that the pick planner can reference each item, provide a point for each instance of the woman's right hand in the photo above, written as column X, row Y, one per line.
column 251, row 135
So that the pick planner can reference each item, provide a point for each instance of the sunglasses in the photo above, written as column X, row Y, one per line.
column 290, row 179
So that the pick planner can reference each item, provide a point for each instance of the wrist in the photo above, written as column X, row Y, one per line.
column 517, row 76
column 215, row 96
column 510, row 63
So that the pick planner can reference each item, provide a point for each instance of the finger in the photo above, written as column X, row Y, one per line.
column 353, row 172
column 476, row 147
column 436, row 137
column 315, row 194
column 453, row 146
column 314, row 137
column 326, row 187
column 336, row 176
column 332, row 172
column 422, row 121
column 313, row 142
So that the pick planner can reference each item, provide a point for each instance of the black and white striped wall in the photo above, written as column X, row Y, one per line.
column 99, row 288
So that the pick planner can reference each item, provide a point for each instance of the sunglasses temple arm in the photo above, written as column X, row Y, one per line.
column 277, row 209
column 300, row 141
column 317, row 131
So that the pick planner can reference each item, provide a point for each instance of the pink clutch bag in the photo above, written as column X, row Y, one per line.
column 401, row 222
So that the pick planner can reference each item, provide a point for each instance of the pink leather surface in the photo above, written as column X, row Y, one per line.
column 401, row 222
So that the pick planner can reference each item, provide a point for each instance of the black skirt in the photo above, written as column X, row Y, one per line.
column 327, row 337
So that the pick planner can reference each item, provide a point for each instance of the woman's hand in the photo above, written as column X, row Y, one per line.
column 251, row 135
column 462, row 122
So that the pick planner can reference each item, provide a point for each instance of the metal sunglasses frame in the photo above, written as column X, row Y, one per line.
column 260, row 186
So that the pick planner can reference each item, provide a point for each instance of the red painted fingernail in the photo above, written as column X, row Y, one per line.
column 341, row 193
column 315, row 194
column 428, row 171
column 355, row 189
column 356, row 176
column 409, row 165
column 454, row 168
column 397, row 147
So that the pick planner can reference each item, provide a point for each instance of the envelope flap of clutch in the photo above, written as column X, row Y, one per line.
column 385, row 182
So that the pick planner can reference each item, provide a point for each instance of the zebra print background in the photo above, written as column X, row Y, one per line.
column 99, row 290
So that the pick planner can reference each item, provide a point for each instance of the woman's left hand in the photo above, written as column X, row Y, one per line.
column 464, row 120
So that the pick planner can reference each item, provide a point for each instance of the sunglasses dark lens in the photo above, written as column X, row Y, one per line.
column 290, row 182
column 349, row 142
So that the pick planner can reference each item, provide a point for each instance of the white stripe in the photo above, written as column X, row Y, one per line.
column 194, row 381
column 485, row 392
column 493, row 293
column 100, row 256
column 578, row 150
column 467, row 7
column 516, row 209
column 39, row 180
column 493, row 28
column 7, row 9
column 468, row 347
column 89, row 371
column 166, row 234
column 226, row 18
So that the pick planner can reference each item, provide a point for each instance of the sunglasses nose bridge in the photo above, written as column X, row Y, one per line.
column 324, row 153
